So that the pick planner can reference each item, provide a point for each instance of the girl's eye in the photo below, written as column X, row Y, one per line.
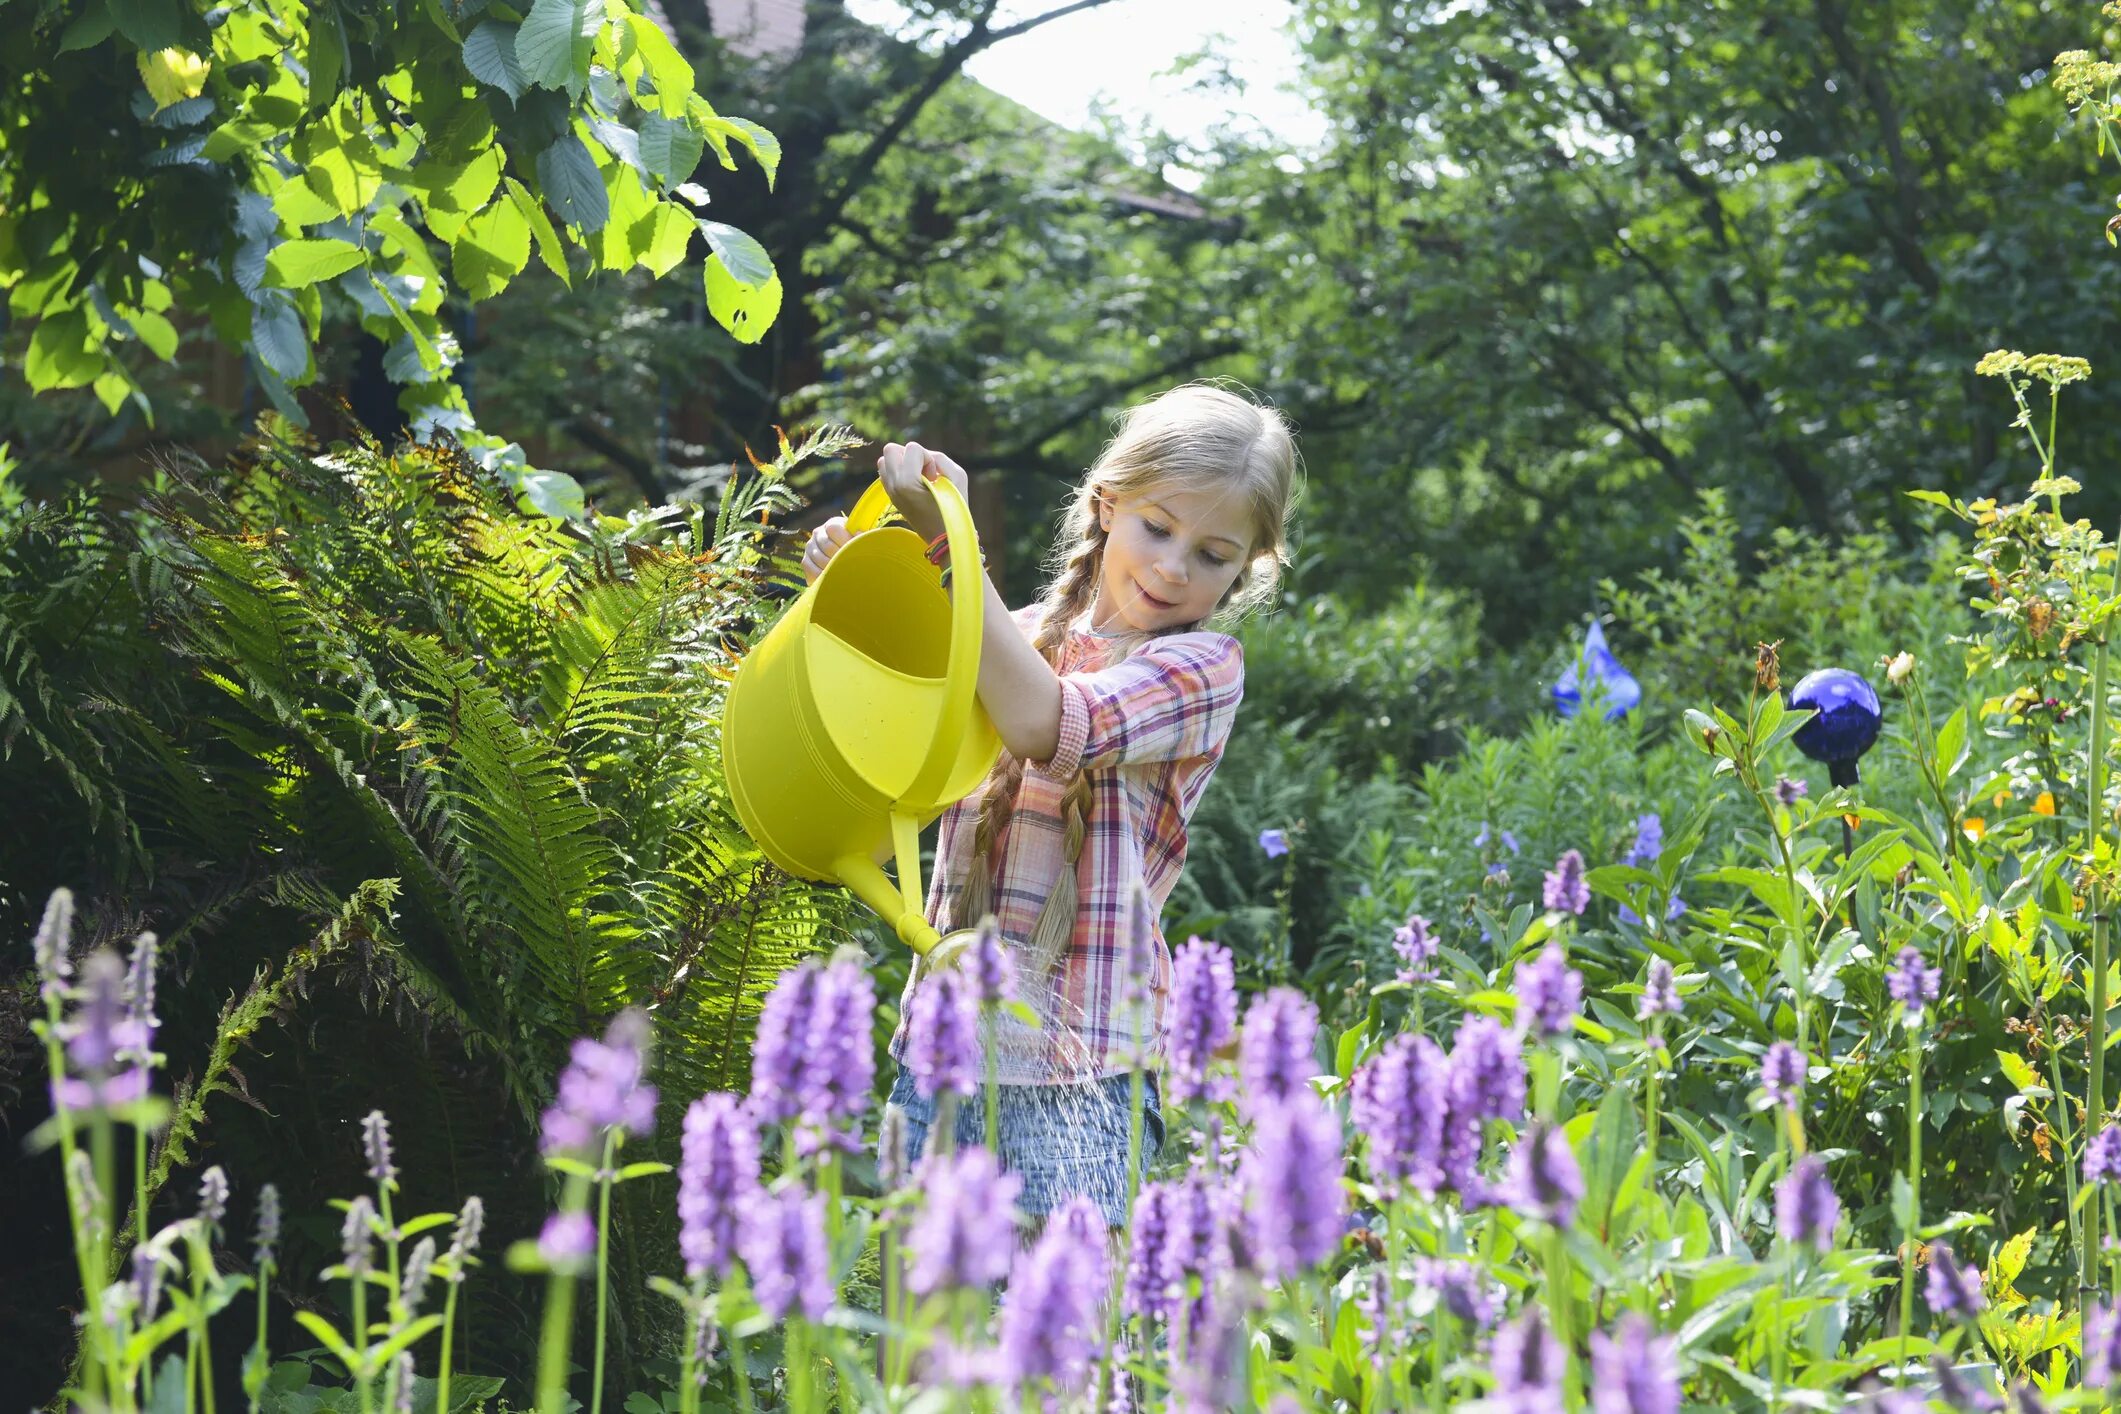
column 1159, row 531
column 1214, row 559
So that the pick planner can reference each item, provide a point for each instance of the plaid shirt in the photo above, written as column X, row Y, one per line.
column 1149, row 731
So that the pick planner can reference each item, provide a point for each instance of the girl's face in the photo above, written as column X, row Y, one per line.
column 1170, row 555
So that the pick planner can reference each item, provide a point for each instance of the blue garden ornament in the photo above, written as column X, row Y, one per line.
column 1609, row 682
column 1847, row 721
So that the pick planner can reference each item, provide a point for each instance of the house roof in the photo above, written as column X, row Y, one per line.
column 758, row 29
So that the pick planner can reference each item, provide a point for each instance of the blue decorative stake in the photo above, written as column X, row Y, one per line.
column 1847, row 721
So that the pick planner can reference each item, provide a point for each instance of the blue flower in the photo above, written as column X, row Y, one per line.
column 1608, row 681
column 1274, row 842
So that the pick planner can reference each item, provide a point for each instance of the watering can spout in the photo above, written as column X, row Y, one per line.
column 856, row 719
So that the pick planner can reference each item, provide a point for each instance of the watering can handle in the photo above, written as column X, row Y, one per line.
column 961, row 672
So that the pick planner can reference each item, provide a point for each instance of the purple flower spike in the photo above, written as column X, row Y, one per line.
column 567, row 1241
column 778, row 1075
column 1486, row 1082
column 1954, row 1292
column 1634, row 1371
column 1461, row 1288
column 55, row 965
column 1276, row 1053
column 990, row 965
column 1415, row 942
column 101, row 1034
column 2102, row 1345
column 213, row 1196
column 717, row 1175
column 1545, row 1182
column 1649, row 841
column 1912, row 983
column 375, row 1143
column 1660, row 992
column 1566, row 889
column 1401, row 1097
column 267, row 1241
column 811, row 1060
column 2102, row 1156
column 782, row 1242
column 1789, row 791
column 942, row 1035
column 1782, row 1072
column 1203, row 1018
column 356, row 1237
column 601, row 1089
column 1049, row 1323
column 1528, row 1366
column 1293, row 1182
column 966, row 1229
column 1806, row 1209
column 1147, row 1293
column 1549, row 993
column 1274, row 842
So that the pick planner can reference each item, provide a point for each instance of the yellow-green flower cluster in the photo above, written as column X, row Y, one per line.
column 2078, row 77
column 2056, row 370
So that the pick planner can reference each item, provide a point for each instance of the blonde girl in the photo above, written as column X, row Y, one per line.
column 1114, row 701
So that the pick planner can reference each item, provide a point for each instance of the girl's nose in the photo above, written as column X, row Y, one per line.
column 1173, row 569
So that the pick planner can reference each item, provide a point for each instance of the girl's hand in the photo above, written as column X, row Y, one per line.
column 823, row 544
column 906, row 471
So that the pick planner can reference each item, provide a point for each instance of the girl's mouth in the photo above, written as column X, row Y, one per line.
column 1154, row 602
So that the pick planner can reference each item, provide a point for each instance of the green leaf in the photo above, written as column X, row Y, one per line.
column 763, row 144
column 2018, row 1071
column 294, row 264
column 573, row 185
column 643, row 1169
column 672, row 75
column 62, row 353
column 492, row 249
column 743, row 293
column 670, row 148
column 453, row 193
column 87, row 29
column 1952, row 749
column 276, row 333
column 554, row 493
column 327, row 56
column 328, row 1336
column 554, row 43
column 549, row 248
column 149, row 24
column 490, row 55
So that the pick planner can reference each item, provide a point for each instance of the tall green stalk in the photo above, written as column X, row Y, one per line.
column 1914, row 1200
column 604, row 1187
column 2095, row 902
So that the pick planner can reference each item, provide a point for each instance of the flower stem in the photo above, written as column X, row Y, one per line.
column 258, row 1357
column 552, row 1345
column 449, row 1331
column 360, row 1337
column 1914, row 1201
column 604, row 1186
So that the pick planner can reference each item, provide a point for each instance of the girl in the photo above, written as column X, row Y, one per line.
column 1113, row 703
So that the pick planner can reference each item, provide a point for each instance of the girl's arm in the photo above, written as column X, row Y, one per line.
column 1017, row 686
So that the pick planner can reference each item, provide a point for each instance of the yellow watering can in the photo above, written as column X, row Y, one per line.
column 855, row 721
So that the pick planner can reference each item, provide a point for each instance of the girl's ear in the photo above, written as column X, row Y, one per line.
column 1104, row 508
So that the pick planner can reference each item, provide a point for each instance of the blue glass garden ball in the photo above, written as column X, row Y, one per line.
column 1846, row 724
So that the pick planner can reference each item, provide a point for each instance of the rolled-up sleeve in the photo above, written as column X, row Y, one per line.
column 1176, row 698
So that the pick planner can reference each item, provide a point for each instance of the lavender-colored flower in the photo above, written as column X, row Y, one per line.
column 1544, row 1181
column 1400, row 1099
column 717, row 1174
column 1782, row 1074
column 841, row 1056
column 568, row 1240
column 1953, row 1290
column 1461, row 1288
column 778, row 1089
column 1486, row 1082
column 55, row 966
column 1634, row 1370
column 401, row 1374
column 419, row 1266
column 1415, row 942
column 267, row 1241
column 140, row 996
column 966, row 1228
column 1203, row 1018
column 1276, row 1052
column 471, row 1221
column 375, row 1143
column 1528, row 1367
column 783, row 1247
column 1789, row 791
column 1049, row 1326
column 942, row 1035
column 1649, row 841
column 2101, row 1342
column 1147, row 1292
column 2102, row 1156
column 213, row 1197
column 1549, row 992
column 1660, row 992
column 1480, row 841
column 356, row 1234
column 88, row 1197
column 1206, row 1237
column 990, row 964
column 600, row 1089
column 1806, row 1209
column 1912, row 983
column 100, row 1034
column 147, row 1280
column 1566, row 889
column 1293, row 1185
column 1274, row 842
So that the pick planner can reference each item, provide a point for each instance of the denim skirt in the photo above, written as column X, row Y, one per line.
column 1060, row 1139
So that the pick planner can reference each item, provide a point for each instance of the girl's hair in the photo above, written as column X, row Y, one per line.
column 1198, row 437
